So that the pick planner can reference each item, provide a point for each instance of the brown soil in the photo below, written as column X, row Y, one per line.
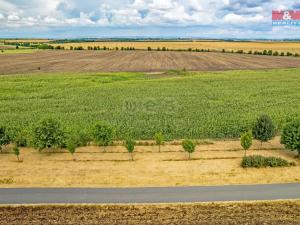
column 139, row 61
column 233, row 213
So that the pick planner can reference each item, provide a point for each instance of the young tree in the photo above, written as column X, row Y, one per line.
column 4, row 137
column 48, row 134
column 72, row 144
column 291, row 136
column 103, row 134
column 246, row 141
column 130, row 144
column 159, row 139
column 16, row 151
column 264, row 129
column 188, row 146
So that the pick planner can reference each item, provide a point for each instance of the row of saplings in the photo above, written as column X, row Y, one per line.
column 48, row 133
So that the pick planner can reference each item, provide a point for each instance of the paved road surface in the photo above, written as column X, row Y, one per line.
column 149, row 195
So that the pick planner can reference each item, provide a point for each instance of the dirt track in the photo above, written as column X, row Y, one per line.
column 93, row 61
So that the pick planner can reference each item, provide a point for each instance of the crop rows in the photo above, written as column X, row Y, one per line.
column 196, row 105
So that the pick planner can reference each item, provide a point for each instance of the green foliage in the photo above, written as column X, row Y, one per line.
column 246, row 141
column 4, row 137
column 129, row 143
column 258, row 161
column 188, row 146
column 21, row 138
column 132, row 102
column 264, row 129
column 159, row 139
column 291, row 136
column 48, row 133
column 103, row 134
column 16, row 152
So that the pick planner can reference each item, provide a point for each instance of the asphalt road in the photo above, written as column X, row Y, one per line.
column 149, row 195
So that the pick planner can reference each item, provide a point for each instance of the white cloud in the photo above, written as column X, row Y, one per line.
column 242, row 19
column 220, row 14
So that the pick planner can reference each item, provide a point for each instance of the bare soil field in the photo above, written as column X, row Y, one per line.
column 230, row 213
column 211, row 164
column 293, row 47
column 136, row 61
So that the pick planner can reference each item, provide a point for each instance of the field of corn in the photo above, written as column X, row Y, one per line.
column 186, row 105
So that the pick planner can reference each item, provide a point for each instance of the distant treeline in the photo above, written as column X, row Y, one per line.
column 104, row 48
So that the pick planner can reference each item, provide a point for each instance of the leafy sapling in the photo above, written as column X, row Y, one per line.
column 246, row 141
column 159, row 139
column 189, row 147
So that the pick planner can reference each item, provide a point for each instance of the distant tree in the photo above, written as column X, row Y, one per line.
column 270, row 52
column 250, row 52
column 276, row 53
column 291, row 136
column 4, row 137
column 188, row 146
column 117, row 48
column 297, row 55
column 17, row 47
column 265, row 52
column 130, row 144
column 103, row 134
column 223, row 50
column 71, row 48
column 159, row 139
column 158, row 49
column 16, row 152
column 246, row 141
column 48, row 133
column 149, row 49
column 264, row 129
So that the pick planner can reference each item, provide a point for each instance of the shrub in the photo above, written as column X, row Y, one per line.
column 4, row 137
column 246, row 141
column 250, row 52
column 149, row 48
column 264, row 129
column 276, row 53
column 159, row 139
column 130, row 144
column 103, row 134
column 259, row 161
column 291, row 136
column 48, row 134
column 188, row 146
column 223, row 50
column 297, row 55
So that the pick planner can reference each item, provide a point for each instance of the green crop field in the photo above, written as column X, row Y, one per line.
column 194, row 105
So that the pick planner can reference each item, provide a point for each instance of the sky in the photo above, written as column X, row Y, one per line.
column 144, row 18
